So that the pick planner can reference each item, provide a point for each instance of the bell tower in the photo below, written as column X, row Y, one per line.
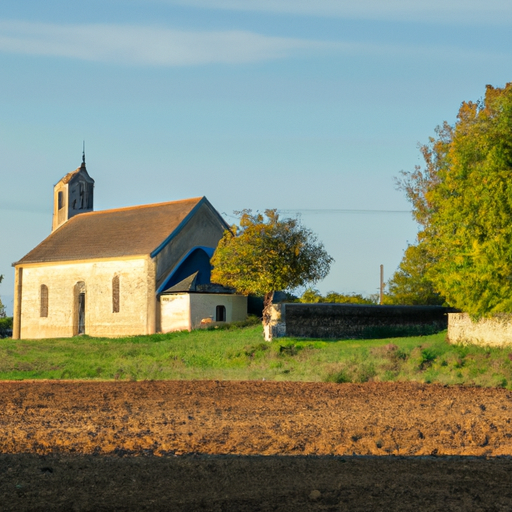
column 72, row 195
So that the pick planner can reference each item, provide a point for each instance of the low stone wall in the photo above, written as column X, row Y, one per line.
column 495, row 331
column 354, row 321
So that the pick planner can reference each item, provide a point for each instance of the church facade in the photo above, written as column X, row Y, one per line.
column 104, row 273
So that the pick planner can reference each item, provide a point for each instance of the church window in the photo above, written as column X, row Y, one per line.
column 220, row 314
column 44, row 301
column 82, row 196
column 60, row 201
column 115, row 294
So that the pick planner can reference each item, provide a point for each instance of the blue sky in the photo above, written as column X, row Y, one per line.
column 309, row 107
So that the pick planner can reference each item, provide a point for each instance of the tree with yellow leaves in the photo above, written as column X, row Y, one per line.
column 463, row 200
column 265, row 254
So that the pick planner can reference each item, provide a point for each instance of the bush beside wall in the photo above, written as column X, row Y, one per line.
column 5, row 327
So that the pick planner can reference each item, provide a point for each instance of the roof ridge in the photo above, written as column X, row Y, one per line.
column 142, row 229
column 139, row 206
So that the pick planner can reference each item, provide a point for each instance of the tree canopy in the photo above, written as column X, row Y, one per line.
column 463, row 200
column 265, row 254
column 410, row 285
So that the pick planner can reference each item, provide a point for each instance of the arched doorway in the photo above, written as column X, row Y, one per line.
column 79, row 309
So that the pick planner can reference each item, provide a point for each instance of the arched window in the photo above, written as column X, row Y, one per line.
column 43, row 312
column 115, row 294
column 220, row 314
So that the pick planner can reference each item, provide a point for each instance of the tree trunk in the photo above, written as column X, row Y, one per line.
column 267, row 307
column 267, row 316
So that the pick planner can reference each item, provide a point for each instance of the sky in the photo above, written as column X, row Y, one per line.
column 308, row 107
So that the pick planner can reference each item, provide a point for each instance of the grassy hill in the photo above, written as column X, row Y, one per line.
column 241, row 354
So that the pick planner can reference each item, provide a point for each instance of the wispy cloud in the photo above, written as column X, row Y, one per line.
column 440, row 11
column 157, row 46
column 154, row 46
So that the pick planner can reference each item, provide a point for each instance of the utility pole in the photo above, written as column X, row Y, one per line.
column 381, row 296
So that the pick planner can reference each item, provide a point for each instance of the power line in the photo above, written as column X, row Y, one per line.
column 335, row 211
column 315, row 211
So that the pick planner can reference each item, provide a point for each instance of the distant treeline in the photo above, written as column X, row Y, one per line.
column 313, row 296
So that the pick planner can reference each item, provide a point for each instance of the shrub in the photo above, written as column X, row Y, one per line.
column 365, row 372
column 339, row 377
column 5, row 327
column 248, row 322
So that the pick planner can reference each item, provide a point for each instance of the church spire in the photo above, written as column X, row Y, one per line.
column 73, row 195
column 83, row 156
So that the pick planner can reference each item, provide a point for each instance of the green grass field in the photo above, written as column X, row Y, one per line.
column 241, row 354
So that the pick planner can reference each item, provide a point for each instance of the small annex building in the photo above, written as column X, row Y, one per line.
column 105, row 273
column 190, row 305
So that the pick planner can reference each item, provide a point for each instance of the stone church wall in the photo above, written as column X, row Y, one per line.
column 354, row 321
column 203, row 305
column 492, row 332
column 186, row 311
column 175, row 312
column 136, row 298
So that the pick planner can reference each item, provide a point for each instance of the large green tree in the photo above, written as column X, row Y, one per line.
column 463, row 200
column 410, row 284
column 265, row 254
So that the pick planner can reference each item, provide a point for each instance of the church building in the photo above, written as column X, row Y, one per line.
column 121, row 272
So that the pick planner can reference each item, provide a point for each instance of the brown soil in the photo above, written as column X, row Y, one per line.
column 114, row 446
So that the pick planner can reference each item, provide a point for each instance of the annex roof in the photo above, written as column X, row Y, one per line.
column 132, row 231
column 188, row 285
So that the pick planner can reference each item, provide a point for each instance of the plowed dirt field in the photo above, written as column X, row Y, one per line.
column 115, row 446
